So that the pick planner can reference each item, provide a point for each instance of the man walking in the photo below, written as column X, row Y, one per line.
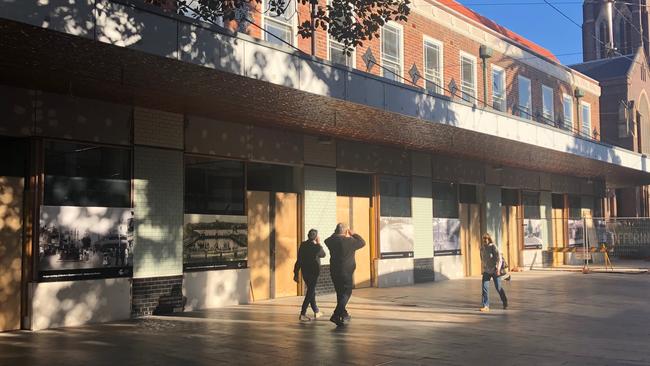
column 342, row 246
column 309, row 255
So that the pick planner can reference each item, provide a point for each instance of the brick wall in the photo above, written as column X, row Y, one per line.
column 324, row 284
column 419, row 26
column 423, row 270
column 157, row 128
column 157, row 295
column 158, row 205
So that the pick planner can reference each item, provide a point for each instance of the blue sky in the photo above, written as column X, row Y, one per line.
column 538, row 22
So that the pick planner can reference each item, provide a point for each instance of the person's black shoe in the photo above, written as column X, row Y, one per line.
column 337, row 320
column 346, row 318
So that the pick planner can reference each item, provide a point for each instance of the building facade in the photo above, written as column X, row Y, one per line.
column 159, row 163
column 621, row 67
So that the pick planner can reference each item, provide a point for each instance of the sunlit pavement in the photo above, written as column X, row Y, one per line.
column 555, row 318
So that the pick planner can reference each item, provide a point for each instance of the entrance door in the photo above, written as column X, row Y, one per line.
column 470, row 237
column 272, row 243
column 12, row 167
column 559, row 235
column 355, row 211
column 512, row 235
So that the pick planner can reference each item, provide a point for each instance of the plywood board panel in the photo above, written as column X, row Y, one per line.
column 259, row 245
column 475, row 240
column 11, row 203
column 361, row 225
column 286, row 243
column 463, row 213
column 559, row 238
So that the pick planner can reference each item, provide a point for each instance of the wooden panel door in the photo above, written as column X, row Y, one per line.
column 259, row 244
column 474, row 243
column 286, row 243
column 11, row 213
column 559, row 235
column 512, row 232
column 355, row 211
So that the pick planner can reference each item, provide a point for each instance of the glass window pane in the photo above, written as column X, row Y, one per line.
column 395, row 196
column 568, row 113
column 432, row 72
column 445, row 200
column 467, row 79
column 87, row 175
column 498, row 90
column 531, row 202
column 547, row 103
column 214, row 186
column 337, row 54
column 524, row 97
column 278, row 30
column 586, row 120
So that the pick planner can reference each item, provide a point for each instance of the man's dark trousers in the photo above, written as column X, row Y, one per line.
column 310, row 295
column 343, row 285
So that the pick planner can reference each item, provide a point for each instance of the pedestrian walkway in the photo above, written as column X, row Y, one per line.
column 555, row 318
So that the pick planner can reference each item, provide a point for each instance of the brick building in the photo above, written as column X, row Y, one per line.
column 615, row 54
column 159, row 163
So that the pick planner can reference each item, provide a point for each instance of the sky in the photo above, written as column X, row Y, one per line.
column 538, row 22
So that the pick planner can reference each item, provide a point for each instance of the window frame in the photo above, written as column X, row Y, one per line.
column 565, row 125
column 46, row 200
column 293, row 23
column 474, row 61
column 552, row 115
column 497, row 68
column 584, row 104
column 213, row 159
column 400, row 30
column 427, row 40
column 329, row 41
column 528, row 113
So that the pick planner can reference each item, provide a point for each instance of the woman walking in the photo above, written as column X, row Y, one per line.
column 491, row 268
column 309, row 255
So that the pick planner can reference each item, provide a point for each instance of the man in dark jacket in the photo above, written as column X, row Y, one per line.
column 342, row 246
column 309, row 255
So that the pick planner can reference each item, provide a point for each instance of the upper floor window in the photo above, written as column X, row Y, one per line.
column 547, row 103
column 468, row 76
column 336, row 49
column 498, row 88
column 567, row 105
column 525, row 98
column 391, row 51
column 433, row 65
column 585, row 113
column 280, row 28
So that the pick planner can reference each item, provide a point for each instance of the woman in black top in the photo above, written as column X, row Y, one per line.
column 309, row 255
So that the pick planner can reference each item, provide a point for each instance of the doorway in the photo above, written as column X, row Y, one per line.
column 512, row 226
column 12, row 189
column 274, row 230
column 354, row 207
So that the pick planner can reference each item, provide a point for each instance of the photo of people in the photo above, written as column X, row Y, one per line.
column 396, row 237
column 215, row 241
column 446, row 236
column 533, row 234
column 80, row 238
column 576, row 232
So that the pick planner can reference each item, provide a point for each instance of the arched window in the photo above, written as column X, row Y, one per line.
column 628, row 37
column 603, row 38
column 621, row 37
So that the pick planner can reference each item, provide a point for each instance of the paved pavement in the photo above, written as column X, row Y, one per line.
column 556, row 318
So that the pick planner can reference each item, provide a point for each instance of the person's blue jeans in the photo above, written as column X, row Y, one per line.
column 486, row 289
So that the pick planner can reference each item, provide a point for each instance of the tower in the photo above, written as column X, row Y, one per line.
column 613, row 28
